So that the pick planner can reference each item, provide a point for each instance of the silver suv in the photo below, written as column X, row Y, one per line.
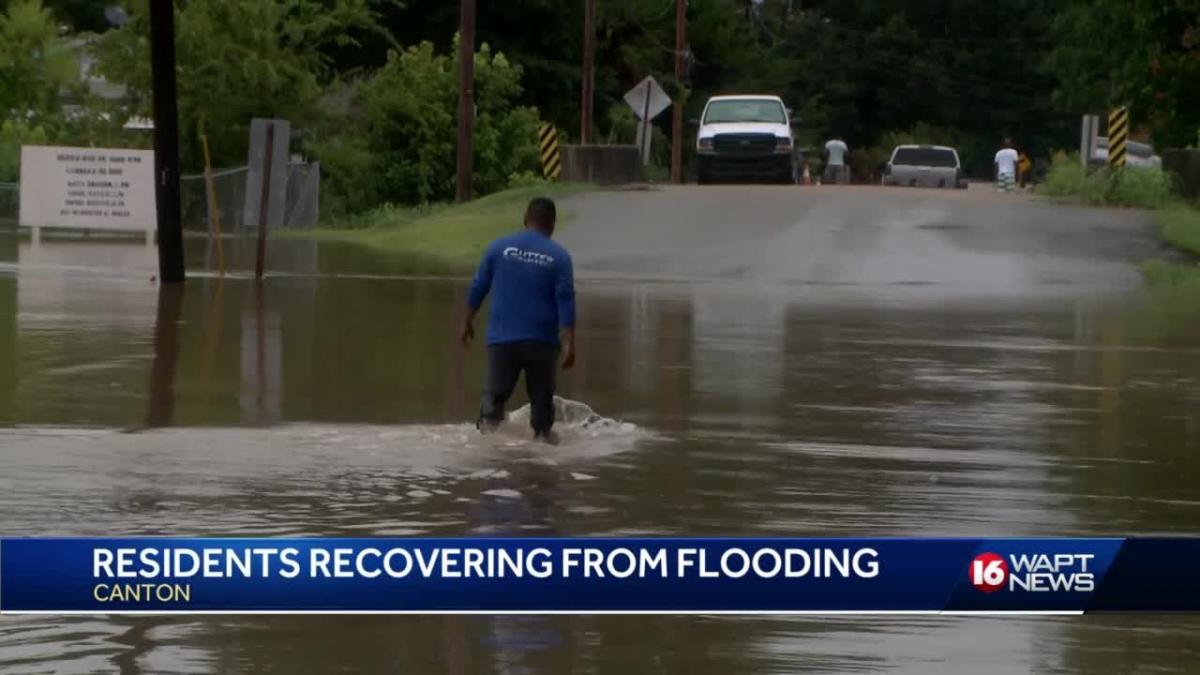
column 925, row 165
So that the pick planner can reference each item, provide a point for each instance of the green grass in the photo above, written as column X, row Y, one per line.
column 1172, row 307
column 1179, row 225
column 1163, row 273
column 454, row 234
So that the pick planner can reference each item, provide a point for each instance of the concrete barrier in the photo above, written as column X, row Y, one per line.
column 601, row 164
column 1185, row 165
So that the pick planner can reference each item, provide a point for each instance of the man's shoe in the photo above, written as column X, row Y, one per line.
column 548, row 437
column 486, row 426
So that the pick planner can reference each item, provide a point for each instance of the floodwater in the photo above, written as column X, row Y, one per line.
column 334, row 401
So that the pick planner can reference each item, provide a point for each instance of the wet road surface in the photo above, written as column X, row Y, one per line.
column 765, row 361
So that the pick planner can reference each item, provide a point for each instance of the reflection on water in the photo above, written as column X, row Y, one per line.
column 327, row 405
column 161, row 404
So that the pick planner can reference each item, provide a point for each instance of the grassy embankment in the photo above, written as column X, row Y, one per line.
column 446, row 235
column 1178, row 221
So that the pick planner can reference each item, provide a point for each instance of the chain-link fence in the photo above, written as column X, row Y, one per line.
column 302, row 202
column 9, row 203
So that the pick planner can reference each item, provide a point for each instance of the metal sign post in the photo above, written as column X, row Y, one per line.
column 1088, row 131
column 646, row 126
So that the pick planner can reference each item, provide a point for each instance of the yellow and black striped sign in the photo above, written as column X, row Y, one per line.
column 1118, row 134
column 548, row 145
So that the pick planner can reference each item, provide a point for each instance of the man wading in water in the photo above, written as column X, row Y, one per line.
column 533, row 295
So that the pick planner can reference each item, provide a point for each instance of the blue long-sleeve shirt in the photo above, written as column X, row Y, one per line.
column 532, row 285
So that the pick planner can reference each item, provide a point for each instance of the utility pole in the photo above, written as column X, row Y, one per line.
column 589, row 72
column 166, row 141
column 677, row 129
column 466, row 100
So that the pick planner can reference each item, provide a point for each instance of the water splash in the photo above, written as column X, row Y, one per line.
column 575, row 419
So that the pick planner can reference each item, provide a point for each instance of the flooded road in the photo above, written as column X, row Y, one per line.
column 782, row 377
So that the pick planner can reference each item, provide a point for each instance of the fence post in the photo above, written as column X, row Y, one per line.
column 265, row 204
column 1087, row 138
column 214, row 214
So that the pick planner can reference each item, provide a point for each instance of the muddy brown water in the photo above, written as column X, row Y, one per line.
column 334, row 402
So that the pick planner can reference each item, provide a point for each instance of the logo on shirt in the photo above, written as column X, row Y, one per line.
column 530, row 257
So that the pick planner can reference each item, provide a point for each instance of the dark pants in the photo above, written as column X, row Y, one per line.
column 505, row 362
column 837, row 174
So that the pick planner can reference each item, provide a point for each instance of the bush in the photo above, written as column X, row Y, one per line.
column 1142, row 187
column 347, row 168
column 14, row 134
column 526, row 179
column 1068, row 178
column 1149, row 188
column 398, row 144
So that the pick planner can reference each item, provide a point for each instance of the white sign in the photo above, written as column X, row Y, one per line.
column 87, row 188
column 647, row 99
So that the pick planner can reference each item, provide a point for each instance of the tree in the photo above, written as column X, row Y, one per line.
column 967, row 70
column 238, row 59
column 1144, row 53
column 396, row 141
column 35, row 66
column 36, row 71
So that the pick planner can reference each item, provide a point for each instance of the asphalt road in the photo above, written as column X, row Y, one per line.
column 960, row 241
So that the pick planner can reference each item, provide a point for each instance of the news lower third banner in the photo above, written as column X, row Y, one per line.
column 597, row 575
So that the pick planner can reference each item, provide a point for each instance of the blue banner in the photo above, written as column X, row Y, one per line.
column 591, row 575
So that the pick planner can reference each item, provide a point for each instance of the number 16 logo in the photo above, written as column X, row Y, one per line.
column 989, row 572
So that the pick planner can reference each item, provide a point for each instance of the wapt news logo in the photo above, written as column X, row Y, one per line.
column 1033, row 572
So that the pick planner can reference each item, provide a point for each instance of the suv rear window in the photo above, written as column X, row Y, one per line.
column 925, row 157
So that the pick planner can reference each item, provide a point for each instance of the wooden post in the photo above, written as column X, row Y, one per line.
column 265, row 204
column 677, row 126
column 166, row 141
column 466, row 101
column 587, row 102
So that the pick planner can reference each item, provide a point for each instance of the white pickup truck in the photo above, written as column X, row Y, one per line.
column 745, row 137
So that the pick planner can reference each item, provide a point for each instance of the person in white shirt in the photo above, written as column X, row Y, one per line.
column 1006, row 166
column 836, row 170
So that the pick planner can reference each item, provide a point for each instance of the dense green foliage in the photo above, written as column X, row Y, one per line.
column 237, row 59
column 1145, row 53
column 14, row 134
column 399, row 144
column 369, row 86
column 35, row 66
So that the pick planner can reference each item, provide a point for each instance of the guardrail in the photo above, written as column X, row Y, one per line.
column 1093, row 148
